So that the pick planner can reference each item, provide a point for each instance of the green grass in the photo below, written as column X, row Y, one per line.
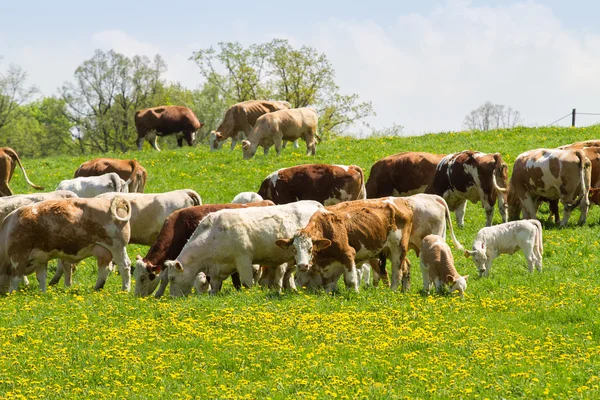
column 515, row 335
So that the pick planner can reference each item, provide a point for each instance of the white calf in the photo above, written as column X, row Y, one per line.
column 247, row 197
column 92, row 186
column 507, row 238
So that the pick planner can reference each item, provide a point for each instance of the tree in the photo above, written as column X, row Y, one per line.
column 13, row 94
column 276, row 70
column 492, row 116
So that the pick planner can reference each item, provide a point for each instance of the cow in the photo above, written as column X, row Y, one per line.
column 166, row 120
column 514, row 206
column 174, row 234
column 328, row 184
column 554, row 174
column 474, row 176
column 241, row 118
column 68, row 229
column 9, row 159
column 437, row 266
column 246, row 197
column 233, row 240
column 343, row 235
column 128, row 170
column 272, row 128
column 10, row 203
column 402, row 174
column 92, row 186
column 507, row 238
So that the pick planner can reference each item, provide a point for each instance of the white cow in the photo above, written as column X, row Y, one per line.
column 148, row 214
column 247, row 197
column 507, row 238
column 92, row 186
column 233, row 240
column 10, row 203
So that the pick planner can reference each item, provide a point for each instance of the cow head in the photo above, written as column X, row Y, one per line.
column 459, row 284
column 304, row 247
column 248, row 149
column 146, row 277
column 479, row 256
column 514, row 204
column 215, row 139
column 180, row 283
column 594, row 195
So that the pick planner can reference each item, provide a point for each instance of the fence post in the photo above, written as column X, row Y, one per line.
column 573, row 118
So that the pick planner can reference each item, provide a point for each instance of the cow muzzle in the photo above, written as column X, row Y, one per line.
column 303, row 267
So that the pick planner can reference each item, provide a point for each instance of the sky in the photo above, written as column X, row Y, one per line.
column 423, row 64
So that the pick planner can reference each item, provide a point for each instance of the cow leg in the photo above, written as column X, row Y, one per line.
column 365, row 272
column 14, row 283
column 488, row 267
column 350, row 278
column 140, row 142
column 279, row 276
column 120, row 257
column 244, row 268
column 105, row 267
column 567, row 214
column 41, row 274
column 529, row 207
column 164, row 281
column 438, row 285
column 67, row 268
column 296, row 145
column 283, row 144
column 215, row 285
column 25, row 280
column 288, row 279
column 4, row 283
column 151, row 137
column 425, row 274
column 233, row 143
column 58, row 274
column 180, row 141
column 460, row 213
column 235, row 279
column 584, row 207
column 277, row 144
column 379, row 271
column 503, row 207
column 489, row 214
column 266, row 150
column 529, row 256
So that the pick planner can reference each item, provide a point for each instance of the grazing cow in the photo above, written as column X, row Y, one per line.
column 10, row 203
column 474, row 176
column 271, row 129
column 92, row 186
column 554, row 174
column 9, row 159
column 343, row 235
column 241, row 117
column 128, row 170
column 328, row 184
column 232, row 240
column 166, row 120
column 246, row 197
column 437, row 266
column 507, row 238
column 68, row 229
column 175, row 232
column 402, row 174
column 514, row 207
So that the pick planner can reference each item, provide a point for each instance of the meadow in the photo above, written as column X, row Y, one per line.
column 514, row 335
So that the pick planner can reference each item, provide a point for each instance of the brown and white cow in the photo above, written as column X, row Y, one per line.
column 437, row 266
column 68, row 229
column 555, row 174
column 273, row 128
column 128, row 170
column 474, row 176
column 326, row 183
column 166, row 120
column 345, row 234
column 9, row 159
column 175, row 232
column 241, row 117
column 402, row 174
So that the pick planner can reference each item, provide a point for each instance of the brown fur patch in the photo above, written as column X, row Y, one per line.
column 126, row 169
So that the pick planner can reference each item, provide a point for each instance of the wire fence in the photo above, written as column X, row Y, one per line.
column 573, row 114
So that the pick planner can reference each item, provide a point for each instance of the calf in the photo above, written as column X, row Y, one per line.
column 328, row 184
column 339, row 237
column 10, row 203
column 437, row 266
column 128, row 170
column 93, row 186
column 68, row 229
column 473, row 176
column 246, row 197
column 173, row 236
column 233, row 240
column 507, row 239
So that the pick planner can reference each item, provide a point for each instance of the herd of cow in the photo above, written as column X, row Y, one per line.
column 307, row 225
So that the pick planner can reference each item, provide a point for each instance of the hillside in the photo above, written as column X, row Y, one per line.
column 514, row 335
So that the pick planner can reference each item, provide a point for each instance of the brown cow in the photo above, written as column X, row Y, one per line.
column 166, row 120
column 402, row 174
column 326, row 183
column 273, row 128
column 474, row 176
column 555, row 174
column 437, row 266
column 241, row 117
column 128, row 170
column 342, row 235
column 8, row 161
column 176, row 231
column 68, row 229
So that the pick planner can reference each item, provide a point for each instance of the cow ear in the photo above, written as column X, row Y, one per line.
column 466, row 277
column 138, row 257
column 450, row 279
column 155, row 268
column 178, row 266
column 321, row 244
column 245, row 144
column 468, row 253
column 218, row 135
column 284, row 243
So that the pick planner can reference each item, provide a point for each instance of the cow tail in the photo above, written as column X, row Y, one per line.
column 195, row 197
column 583, row 166
column 136, row 176
column 362, row 194
column 499, row 167
column 13, row 154
column 539, row 242
column 118, row 205
column 449, row 222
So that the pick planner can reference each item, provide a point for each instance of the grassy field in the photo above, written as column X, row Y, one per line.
column 514, row 335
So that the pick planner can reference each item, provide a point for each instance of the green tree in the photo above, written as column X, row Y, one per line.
column 13, row 94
